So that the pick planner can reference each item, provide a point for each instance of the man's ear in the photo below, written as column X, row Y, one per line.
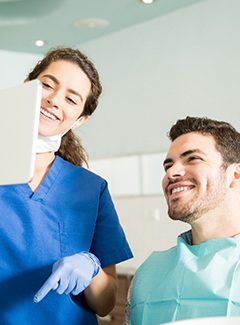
column 80, row 121
column 236, row 180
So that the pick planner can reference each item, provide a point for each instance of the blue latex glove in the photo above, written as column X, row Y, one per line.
column 71, row 274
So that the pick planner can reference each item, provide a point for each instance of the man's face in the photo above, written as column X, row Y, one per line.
column 195, row 183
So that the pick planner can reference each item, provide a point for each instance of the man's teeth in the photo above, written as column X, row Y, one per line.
column 51, row 116
column 179, row 189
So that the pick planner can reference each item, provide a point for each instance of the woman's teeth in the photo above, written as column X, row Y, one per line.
column 47, row 114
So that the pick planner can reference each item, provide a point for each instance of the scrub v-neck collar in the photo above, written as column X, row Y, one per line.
column 46, row 183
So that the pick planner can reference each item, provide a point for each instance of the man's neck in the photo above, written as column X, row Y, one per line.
column 201, row 234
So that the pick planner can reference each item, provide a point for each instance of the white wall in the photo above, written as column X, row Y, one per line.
column 15, row 67
column 184, row 63
column 147, row 226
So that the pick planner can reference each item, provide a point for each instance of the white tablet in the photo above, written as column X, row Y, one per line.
column 19, row 121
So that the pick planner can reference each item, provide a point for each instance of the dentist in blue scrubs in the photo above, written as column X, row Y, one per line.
column 60, row 235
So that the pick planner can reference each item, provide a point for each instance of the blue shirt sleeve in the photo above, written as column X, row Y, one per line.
column 109, row 242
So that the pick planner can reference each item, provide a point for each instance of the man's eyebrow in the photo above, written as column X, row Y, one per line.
column 184, row 154
column 54, row 79
column 192, row 151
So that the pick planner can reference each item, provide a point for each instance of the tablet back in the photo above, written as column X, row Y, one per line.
column 19, row 120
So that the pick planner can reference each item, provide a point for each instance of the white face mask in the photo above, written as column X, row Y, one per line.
column 48, row 144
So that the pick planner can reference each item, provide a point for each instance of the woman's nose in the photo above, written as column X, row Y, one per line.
column 54, row 100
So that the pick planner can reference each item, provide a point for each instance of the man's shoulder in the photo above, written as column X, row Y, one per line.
column 156, row 259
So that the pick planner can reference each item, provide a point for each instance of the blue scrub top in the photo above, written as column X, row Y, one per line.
column 71, row 211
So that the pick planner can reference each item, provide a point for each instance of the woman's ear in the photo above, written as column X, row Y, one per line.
column 80, row 121
column 236, row 179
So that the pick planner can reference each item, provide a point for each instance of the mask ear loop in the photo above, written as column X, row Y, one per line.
column 76, row 122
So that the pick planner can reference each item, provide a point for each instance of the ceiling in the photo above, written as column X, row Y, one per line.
column 72, row 22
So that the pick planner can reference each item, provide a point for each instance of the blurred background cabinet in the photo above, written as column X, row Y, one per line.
column 116, row 316
column 132, row 175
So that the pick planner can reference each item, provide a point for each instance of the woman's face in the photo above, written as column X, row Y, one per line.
column 65, row 88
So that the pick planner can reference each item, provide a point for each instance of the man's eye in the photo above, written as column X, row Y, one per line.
column 166, row 167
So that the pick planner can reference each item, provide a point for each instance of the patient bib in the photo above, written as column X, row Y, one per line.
column 188, row 281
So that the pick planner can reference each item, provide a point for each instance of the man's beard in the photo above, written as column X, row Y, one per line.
column 201, row 203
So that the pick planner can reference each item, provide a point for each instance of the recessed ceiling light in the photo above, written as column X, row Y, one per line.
column 91, row 23
column 147, row 2
column 40, row 43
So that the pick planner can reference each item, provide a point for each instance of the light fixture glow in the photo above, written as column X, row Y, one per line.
column 147, row 2
column 40, row 43
column 91, row 23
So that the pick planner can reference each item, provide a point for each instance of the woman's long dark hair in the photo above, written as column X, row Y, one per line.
column 71, row 148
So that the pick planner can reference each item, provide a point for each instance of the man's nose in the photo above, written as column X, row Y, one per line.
column 175, row 171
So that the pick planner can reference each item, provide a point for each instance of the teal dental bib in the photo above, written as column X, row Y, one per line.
column 188, row 281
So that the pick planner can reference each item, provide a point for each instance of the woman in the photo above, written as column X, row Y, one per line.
column 60, row 234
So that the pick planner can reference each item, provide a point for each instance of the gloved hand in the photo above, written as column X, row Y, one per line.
column 71, row 274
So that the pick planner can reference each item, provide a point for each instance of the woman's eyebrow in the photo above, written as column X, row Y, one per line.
column 54, row 79
column 74, row 92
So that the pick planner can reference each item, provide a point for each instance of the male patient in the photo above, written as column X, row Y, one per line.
column 200, row 277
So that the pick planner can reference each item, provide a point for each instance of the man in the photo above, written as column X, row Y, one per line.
column 200, row 277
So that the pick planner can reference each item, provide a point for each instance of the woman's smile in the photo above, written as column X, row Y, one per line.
column 48, row 114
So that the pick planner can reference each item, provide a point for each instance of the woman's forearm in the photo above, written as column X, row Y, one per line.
column 101, row 294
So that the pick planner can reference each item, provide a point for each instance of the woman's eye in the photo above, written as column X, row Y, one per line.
column 46, row 85
column 193, row 158
column 71, row 100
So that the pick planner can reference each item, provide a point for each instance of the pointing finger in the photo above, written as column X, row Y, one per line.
column 50, row 284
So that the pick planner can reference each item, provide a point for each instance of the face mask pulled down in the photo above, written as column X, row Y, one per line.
column 48, row 144
column 52, row 143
